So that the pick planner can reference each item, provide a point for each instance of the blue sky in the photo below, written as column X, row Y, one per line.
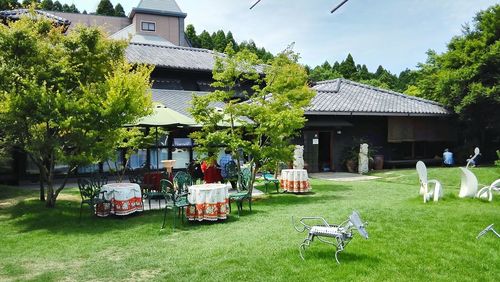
column 392, row 33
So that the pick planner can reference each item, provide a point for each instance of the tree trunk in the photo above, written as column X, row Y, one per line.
column 42, row 189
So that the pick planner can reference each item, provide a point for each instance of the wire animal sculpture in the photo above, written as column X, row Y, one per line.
column 488, row 228
column 341, row 234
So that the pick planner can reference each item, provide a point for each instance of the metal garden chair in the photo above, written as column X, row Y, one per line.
column 270, row 179
column 245, row 194
column 91, row 195
column 179, row 200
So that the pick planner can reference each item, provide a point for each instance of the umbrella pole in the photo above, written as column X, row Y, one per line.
column 157, row 153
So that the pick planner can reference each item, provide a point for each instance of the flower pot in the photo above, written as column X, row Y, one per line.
column 379, row 162
column 351, row 166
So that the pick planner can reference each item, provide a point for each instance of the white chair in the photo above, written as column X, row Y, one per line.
column 435, row 193
column 468, row 183
column 487, row 191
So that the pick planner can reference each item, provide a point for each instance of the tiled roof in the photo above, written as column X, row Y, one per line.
column 177, row 100
column 171, row 56
column 158, row 7
column 342, row 96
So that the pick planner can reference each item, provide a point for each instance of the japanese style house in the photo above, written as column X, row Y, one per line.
column 402, row 127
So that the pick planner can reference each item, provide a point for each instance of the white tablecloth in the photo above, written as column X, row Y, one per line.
column 295, row 180
column 208, row 202
column 126, row 198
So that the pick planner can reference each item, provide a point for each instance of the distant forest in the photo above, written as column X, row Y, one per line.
column 348, row 69
column 218, row 41
column 105, row 7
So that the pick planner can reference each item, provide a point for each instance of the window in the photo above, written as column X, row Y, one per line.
column 148, row 26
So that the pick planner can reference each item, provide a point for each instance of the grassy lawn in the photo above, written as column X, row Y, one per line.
column 409, row 240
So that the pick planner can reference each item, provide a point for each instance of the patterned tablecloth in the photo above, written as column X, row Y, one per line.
column 125, row 199
column 295, row 180
column 208, row 202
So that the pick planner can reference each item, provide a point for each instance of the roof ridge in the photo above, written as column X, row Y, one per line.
column 175, row 47
column 406, row 96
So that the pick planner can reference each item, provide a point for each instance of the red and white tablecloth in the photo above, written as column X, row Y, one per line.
column 126, row 198
column 295, row 180
column 208, row 202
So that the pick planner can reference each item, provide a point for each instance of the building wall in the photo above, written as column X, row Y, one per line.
column 166, row 27
column 109, row 24
column 373, row 129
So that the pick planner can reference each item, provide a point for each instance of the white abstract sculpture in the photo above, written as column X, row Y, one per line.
column 298, row 157
column 468, row 183
column 487, row 192
column 363, row 158
column 436, row 193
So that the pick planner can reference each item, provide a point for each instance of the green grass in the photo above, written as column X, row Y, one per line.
column 409, row 240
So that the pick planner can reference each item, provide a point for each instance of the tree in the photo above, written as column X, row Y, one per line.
column 348, row 68
column 73, row 9
column 57, row 6
column 230, row 40
column 28, row 3
column 466, row 78
column 65, row 8
column 105, row 8
column 84, row 12
column 8, row 4
column 47, row 5
column 65, row 98
column 273, row 114
column 191, row 36
column 219, row 41
column 119, row 12
column 206, row 40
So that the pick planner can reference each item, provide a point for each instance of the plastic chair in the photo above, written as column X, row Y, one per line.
column 487, row 191
column 468, row 181
column 435, row 193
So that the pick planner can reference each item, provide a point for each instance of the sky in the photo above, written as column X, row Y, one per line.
column 393, row 33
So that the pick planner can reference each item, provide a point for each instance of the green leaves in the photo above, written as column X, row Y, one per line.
column 259, row 111
column 65, row 98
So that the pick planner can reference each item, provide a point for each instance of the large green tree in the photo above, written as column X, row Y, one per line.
column 105, row 8
column 65, row 98
column 119, row 12
column 466, row 78
column 262, row 127
column 9, row 4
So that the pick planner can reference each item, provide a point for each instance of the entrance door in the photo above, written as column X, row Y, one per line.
column 325, row 151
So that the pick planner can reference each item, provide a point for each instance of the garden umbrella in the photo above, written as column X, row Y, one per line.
column 163, row 117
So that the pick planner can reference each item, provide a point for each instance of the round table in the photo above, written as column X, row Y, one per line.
column 295, row 180
column 126, row 198
column 208, row 202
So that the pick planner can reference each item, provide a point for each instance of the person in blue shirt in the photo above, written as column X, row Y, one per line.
column 223, row 161
column 448, row 158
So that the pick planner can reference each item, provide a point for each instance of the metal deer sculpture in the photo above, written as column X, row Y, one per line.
column 342, row 233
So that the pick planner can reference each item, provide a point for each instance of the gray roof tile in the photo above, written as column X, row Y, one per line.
column 178, row 100
column 171, row 56
column 345, row 96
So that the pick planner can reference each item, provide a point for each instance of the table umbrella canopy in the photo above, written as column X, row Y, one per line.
column 163, row 116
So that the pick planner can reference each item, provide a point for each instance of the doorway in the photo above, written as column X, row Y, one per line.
column 325, row 152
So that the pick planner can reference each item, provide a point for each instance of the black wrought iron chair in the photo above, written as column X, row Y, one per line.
column 90, row 195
